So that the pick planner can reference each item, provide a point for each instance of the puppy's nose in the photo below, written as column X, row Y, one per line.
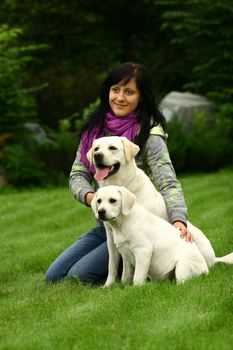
column 102, row 213
column 98, row 156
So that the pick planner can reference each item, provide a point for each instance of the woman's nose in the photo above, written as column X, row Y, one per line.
column 120, row 96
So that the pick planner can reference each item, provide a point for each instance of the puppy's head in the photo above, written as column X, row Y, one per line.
column 111, row 202
column 108, row 154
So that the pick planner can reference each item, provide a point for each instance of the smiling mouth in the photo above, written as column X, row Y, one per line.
column 102, row 171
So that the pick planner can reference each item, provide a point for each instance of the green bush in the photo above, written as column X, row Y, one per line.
column 58, row 155
column 32, row 163
column 207, row 147
column 201, row 35
column 22, row 168
column 16, row 103
column 19, row 162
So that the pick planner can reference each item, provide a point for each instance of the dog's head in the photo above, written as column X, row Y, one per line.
column 108, row 154
column 110, row 202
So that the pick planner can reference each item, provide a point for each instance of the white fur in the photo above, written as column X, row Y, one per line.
column 150, row 246
column 137, row 182
column 129, row 175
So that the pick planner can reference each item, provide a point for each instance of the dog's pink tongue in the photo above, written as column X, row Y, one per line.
column 100, row 174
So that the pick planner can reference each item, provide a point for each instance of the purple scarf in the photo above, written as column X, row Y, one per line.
column 113, row 126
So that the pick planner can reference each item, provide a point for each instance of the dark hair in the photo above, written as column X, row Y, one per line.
column 148, row 113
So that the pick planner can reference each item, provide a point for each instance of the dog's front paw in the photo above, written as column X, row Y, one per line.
column 138, row 283
column 127, row 279
column 109, row 282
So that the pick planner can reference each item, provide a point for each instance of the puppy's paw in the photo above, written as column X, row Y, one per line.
column 127, row 280
column 109, row 282
column 138, row 283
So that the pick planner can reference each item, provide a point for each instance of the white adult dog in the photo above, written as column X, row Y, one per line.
column 149, row 246
column 113, row 158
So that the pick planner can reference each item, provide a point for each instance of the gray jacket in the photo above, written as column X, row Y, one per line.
column 156, row 162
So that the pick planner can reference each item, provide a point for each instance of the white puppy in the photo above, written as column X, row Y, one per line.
column 113, row 158
column 150, row 246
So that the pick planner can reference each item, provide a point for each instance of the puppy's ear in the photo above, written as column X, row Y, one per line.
column 131, row 150
column 90, row 154
column 93, row 205
column 128, row 200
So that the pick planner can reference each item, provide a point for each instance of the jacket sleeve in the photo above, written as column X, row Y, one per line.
column 81, row 180
column 156, row 156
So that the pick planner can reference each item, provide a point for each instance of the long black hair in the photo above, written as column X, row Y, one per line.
column 148, row 113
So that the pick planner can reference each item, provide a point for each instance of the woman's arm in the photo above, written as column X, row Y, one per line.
column 81, row 181
column 156, row 156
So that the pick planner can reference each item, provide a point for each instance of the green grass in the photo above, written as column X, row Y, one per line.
column 36, row 225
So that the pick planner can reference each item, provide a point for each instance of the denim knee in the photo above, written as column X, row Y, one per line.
column 86, row 258
column 81, row 273
column 92, row 267
column 53, row 275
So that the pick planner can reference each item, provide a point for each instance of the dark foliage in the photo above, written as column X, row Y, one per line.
column 54, row 56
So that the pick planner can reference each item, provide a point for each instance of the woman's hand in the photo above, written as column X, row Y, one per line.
column 89, row 197
column 184, row 233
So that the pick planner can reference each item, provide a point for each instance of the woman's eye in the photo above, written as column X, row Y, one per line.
column 129, row 92
column 115, row 89
column 112, row 200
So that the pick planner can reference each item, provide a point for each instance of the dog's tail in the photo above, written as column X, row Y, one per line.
column 227, row 259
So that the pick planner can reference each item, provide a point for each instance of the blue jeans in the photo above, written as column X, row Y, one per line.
column 87, row 258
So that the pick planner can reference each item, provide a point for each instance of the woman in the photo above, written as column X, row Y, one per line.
column 127, row 108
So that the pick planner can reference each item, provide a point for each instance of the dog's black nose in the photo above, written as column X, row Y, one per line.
column 98, row 156
column 102, row 213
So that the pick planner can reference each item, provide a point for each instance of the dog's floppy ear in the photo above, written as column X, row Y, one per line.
column 131, row 150
column 90, row 154
column 128, row 200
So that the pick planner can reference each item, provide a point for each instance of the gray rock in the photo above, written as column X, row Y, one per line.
column 38, row 133
column 183, row 105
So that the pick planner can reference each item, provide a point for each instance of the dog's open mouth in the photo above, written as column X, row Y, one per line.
column 103, row 172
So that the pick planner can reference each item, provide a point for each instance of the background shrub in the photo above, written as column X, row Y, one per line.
column 51, row 71
column 16, row 103
column 58, row 155
column 207, row 148
column 22, row 168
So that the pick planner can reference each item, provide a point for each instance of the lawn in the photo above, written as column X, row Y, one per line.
column 37, row 224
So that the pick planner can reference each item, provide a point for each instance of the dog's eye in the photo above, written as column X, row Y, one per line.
column 99, row 201
column 112, row 148
column 112, row 200
column 96, row 149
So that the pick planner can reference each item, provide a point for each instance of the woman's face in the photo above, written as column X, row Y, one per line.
column 124, row 99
